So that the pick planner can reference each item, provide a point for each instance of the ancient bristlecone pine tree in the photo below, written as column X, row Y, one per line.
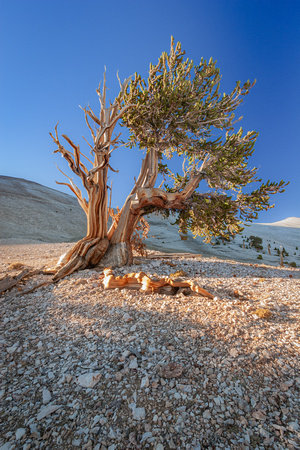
column 178, row 111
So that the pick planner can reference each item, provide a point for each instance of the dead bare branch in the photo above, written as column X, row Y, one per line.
column 9, row 281
column 88, row 123
column 90, row 147
column 82, row 201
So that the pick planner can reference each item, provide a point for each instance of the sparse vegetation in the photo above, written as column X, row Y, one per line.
column 256, row 242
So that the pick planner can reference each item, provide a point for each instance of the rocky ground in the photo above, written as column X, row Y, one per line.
column 88, row 368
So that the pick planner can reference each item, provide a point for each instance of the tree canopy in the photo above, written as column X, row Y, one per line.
column 180, row 110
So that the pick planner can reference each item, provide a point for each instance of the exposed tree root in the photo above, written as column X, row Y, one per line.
column 146, row 284
column 86, row 253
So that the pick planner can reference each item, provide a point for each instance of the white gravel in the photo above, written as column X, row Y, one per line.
column 93, row 369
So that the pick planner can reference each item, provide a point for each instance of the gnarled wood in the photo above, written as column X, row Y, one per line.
column 141, row 281
column 9, row 281
column 86, row 253
column 117, row 255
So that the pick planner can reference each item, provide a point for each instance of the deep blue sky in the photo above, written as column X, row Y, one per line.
column 53, row 55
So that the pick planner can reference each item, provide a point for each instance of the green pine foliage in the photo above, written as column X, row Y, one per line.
column 180, row 111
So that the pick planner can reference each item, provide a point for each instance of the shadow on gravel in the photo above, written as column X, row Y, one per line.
column 238, row 372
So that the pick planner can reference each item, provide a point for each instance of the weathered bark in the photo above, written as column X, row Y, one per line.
column 89, row 250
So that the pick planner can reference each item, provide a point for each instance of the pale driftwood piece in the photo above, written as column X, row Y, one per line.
column 9, row 281
column 141, row 281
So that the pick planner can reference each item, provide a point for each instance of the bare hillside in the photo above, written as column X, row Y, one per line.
column 30, row 211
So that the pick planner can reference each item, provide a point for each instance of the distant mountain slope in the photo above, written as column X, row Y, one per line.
column 30, row 211
column 166, row 238
column 290, row 222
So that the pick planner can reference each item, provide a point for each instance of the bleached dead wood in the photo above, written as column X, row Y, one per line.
column 141, row 281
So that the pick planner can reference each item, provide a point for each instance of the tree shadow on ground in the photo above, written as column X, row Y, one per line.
column 235, row 366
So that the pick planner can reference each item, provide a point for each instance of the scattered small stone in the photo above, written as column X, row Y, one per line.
column 89, row 335
column 263, row 313
column 20, row 433
column 118, row 376
column 286, row 385
column 47, row 410
column 233, row 352
column 127, row 317
column 293, row 426
column 13, row 348
column 145, row 382
column 259, row 415
column 146, row 436
column 46, row 396
column 137, row 413
column 6, row 446
column 159, row 447
column 206, row 414
column 68, row 378
column 171, row 370
column 133, row 364
column 89, row 380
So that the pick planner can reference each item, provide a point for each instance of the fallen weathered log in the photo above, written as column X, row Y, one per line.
column 141, row 281
column 9, row 281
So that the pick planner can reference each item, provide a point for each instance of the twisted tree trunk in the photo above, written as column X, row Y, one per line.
column 89, row 250
column 121, row 231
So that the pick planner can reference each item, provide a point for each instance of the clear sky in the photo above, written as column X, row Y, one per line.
column 53, row 55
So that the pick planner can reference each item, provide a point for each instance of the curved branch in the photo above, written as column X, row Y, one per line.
column 88, row 123
column 142, row 175
column 73, row 160
column 82, row 201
